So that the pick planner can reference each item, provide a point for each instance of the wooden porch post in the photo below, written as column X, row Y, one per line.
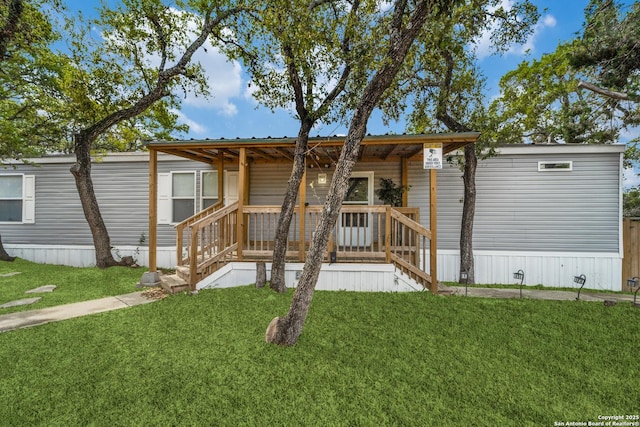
column 404, row 178
column 153, row 209
column 433, row 226
column 220, row 176
column 302, row 196
column 242, row 172
column 151, row 277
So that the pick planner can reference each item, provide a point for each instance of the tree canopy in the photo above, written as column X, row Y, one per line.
column 540, row 102
column 29, row 83
column 609, row 46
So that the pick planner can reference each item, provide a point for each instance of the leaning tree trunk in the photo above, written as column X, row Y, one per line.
column 287, row 330
column 277, row 281
column 81, row 171
column 4, row 256
column 468, row 213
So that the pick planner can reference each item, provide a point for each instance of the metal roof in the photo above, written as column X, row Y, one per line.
column 320, row 149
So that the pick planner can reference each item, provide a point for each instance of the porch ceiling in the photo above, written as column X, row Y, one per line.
column 322, row 150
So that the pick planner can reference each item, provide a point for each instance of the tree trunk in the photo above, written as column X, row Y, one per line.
column 4, row 256
column 468, row 213
column 277, row 282
column 81, row 171
column 403, row 29
column 261, row 274
column 287, row 330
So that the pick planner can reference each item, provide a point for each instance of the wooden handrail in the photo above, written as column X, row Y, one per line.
column 181, row 226
column 413, row 225
column 198, row 216
column 212, row 239
column 415, row 234
column 388, row 234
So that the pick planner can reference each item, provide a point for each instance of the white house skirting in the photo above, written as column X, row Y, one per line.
column 553, row 269
column 85, row 256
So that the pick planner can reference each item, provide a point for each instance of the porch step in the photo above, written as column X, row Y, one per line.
column 173, row 283
column 182, row 271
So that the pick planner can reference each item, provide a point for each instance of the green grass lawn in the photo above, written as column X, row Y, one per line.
column 364, row 359
column 73, row 284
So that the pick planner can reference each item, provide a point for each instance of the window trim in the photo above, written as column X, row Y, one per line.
column 202, row 196
column 27, row 198
column 541, row 167
column 370, row 188
column 194, row 197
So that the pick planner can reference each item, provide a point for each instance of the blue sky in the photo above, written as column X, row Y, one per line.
column 231, row 112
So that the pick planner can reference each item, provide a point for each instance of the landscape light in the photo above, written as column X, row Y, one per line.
column 519, row 275
column 580, row 280
column 464, row 277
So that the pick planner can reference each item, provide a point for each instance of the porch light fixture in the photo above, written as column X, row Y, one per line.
column 580, row 280
column 519, row 275
column 633, row 283
column 322, row 178
column 464, row 277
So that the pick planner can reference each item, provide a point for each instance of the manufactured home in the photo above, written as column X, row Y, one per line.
column 552, row 211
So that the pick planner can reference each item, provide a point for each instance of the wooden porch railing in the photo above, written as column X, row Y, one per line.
column 409, row 243
column 187, row 223
column 361, row 234
column 213, row 241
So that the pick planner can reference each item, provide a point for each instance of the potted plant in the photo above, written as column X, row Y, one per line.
column 391, row 193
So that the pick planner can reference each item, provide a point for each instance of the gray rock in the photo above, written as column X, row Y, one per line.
column 14, row 273
column 42, row 289
column 20, row 302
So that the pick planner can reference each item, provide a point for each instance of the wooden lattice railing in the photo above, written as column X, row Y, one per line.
column 182, row 238
column 408, row 247
column 213, row 240
column 362, row 234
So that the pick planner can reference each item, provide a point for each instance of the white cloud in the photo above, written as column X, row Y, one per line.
column 224, row 78
column 627, row 134
column 483, row 45
column 385, row 6
column 249, row 90
column 194, row 127
column 630, row 178
column 547, row 21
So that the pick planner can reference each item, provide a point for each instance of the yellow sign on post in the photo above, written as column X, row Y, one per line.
column 433, row 155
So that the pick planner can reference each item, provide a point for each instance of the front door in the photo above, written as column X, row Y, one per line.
column 230, row 187
column 354, row 229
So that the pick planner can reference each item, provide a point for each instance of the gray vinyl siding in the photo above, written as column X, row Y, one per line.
column 268, row 182
column 518, row 208
column 122, row 190
column 521, row 209
column 59, row 218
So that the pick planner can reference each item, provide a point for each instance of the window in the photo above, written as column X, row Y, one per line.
column 183, row 195
column 17, row 198
column 209, row 189
column 555, row 166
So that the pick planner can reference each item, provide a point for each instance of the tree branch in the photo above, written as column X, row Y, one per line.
column 164, row 77
column 606, row 92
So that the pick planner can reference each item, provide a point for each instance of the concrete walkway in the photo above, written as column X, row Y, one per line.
column 25, row 319
column 585, row 295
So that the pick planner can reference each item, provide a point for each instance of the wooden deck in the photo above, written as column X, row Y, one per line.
column 364, row 234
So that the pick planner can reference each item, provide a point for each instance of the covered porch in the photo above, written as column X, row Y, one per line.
column 242, row 230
